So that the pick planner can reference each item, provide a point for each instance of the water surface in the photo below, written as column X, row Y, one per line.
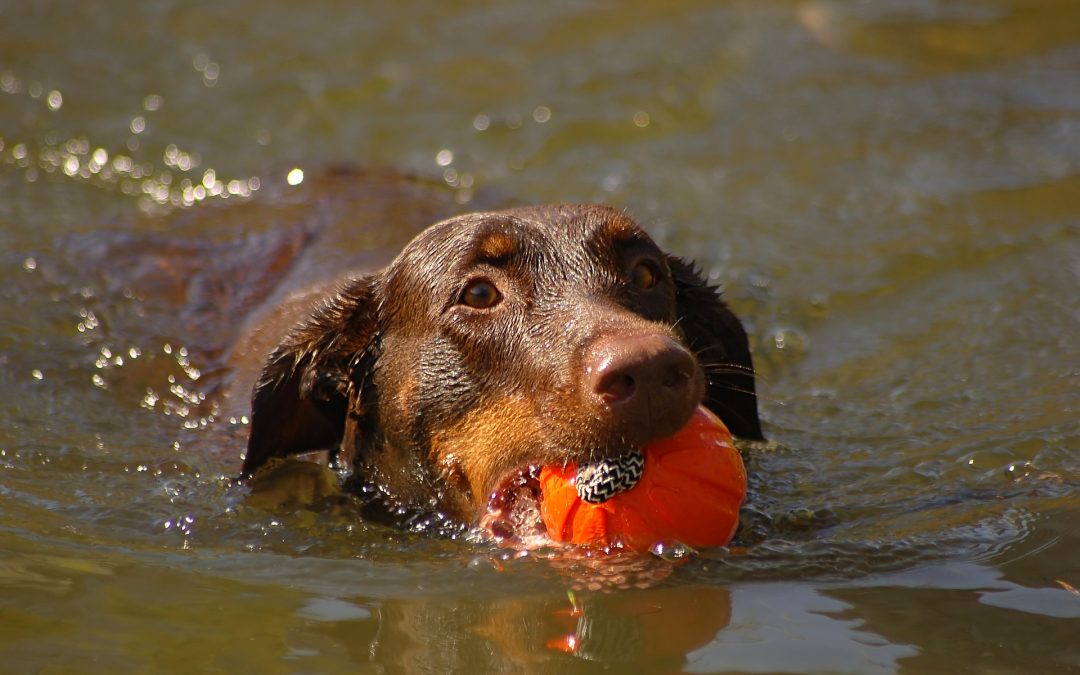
column 889, row 193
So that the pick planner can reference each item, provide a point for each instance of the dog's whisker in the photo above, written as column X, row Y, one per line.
column 721, row 407
column 726, row 367
column 740, row 390
column 723, row 369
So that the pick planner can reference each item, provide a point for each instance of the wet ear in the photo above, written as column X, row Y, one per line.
column 302, row 397
column 718, row 339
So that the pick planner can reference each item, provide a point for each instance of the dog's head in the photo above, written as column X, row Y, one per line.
column 501, row 340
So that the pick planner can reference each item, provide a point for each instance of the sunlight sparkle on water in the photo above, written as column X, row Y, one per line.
column 103, row 166
column 99, row 159
column 9, row 84
column 209, row 69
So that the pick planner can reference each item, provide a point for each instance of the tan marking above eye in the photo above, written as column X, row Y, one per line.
column 480, row 294
column 496, row 245
column 620, row 227
column 644, row 275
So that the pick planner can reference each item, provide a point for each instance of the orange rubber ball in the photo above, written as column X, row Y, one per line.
column 690, row 491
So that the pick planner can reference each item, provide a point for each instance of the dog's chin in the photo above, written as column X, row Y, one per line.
column 512, row 514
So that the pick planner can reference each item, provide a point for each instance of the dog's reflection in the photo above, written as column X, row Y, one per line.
column 649, row 629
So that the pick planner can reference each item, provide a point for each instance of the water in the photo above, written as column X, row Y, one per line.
column 888, row 191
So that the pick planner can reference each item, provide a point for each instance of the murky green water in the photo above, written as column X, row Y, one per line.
column 889, row 191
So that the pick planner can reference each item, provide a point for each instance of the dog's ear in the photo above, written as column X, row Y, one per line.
column 717, row 338
column 302, row 397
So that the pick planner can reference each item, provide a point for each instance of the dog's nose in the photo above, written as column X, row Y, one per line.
column 649, row 383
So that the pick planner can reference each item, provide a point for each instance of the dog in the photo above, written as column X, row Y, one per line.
column 495, row 342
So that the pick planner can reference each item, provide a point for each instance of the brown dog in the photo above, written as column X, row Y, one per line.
column 500, row 340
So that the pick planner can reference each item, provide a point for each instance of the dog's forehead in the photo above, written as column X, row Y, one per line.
column 553, row 228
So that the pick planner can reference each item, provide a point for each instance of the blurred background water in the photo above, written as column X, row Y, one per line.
column 888, row 190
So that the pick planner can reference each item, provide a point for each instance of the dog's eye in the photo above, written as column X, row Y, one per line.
column 480, row 294
column 644, row 275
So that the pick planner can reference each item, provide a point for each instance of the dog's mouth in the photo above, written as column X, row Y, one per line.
column 513, row 519
column 512, row 516
column 685, row 488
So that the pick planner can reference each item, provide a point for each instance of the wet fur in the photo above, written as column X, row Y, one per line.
column 435, row 401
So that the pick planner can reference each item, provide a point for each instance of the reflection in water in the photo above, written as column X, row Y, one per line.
column 652, row 629
column 751, row 627
column 776, row 625
column 650, row 626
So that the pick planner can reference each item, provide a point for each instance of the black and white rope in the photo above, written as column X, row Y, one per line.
column 599, row 481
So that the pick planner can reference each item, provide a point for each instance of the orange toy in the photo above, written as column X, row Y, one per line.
column 690, row 491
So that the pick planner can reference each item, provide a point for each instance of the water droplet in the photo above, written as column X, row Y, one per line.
column 541, row 114
column 54, row 100
column 9, row 84
column 295, row 177
column 123, row 164
column 211, row 73
column 444, row 157
column 673, row 552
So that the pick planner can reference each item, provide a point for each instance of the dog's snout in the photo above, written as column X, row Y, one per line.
column 625, row 369
column 648, row 383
